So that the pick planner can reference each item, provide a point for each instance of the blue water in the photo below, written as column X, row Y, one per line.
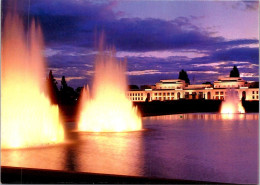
column 207, row 147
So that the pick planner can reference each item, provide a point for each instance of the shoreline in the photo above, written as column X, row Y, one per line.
column 32, row 175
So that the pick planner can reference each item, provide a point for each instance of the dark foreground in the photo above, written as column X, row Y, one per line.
column 16, row 175
column 155, row 108
column 182, row 106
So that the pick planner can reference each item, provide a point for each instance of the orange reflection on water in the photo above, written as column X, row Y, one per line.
column 112, row 153
column 42, row 157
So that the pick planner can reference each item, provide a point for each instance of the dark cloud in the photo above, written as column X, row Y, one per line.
column 70, row 28
column 237, row 54
column 246, row 5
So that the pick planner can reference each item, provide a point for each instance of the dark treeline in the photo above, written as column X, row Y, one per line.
column 66, row 95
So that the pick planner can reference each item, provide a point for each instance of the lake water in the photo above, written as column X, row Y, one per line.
column 207, row 147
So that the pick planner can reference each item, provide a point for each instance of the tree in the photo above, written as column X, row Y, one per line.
column 63, row 83
column 133, row 87
column 67, row 94
column 234, row 72
column 53, row 90
column 184, row 76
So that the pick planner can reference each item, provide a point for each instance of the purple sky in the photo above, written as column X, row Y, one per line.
column 158, row 38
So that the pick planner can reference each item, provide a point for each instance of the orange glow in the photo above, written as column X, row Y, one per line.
column 109, row 110
column 27, row 117
column 232, row 104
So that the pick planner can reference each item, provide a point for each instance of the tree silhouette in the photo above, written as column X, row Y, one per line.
column 184, row 76
column 234, row 72
column 67, row 93
column 63, row 83
column 53, row 90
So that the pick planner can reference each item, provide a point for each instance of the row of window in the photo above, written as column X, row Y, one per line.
column 172, row 94
column 228, row 86
column 254, row 97
column 221, row 93
column 164, row 94
column 135, row 94
column 164, row 98
column 170, row 87
column 136, row 98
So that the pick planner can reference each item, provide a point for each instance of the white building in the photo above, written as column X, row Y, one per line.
column 230, row 82
column 178, row 89
column 170, row 84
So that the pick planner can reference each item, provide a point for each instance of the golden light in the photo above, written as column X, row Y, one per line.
column 109, row 110
column 27, row 117
column 232, row 104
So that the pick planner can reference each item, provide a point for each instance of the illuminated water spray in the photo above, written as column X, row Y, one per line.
column 232, row 104
column 109, row 110
column 27, row 117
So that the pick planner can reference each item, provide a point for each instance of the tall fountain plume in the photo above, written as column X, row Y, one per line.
column 109, row 109
column 232, row 104
column 27, row 117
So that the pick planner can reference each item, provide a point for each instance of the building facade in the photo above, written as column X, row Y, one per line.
column 176, row 89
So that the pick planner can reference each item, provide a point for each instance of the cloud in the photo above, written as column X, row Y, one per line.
column 156, row 48
column 246, row 5
column 237, row 54
column 144, row 72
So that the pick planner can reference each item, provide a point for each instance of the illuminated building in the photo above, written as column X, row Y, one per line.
column 176, row 89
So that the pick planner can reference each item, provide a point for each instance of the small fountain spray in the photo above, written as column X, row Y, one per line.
column 109, row 109
column 232, row 104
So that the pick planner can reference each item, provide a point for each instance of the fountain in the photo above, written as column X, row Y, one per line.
column 109, row 110
column 232, row 104
column 27, row 117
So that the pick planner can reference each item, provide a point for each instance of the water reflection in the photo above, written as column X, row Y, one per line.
column 206, row 147
column 206, row 117
column 114, row 153
column 45, row 157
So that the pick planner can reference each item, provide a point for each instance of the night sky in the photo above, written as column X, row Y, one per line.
column 158, row 38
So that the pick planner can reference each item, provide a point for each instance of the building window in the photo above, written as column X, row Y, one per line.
column 160, row 94
column 138, row 98
column 141, row 94
column 138, row 94
column 172, row 98
column 164, row 98
column 256, row 97
column 141, row 98
column 168, row 94
column 221, row 93
column 253, row 92
column 216, row 92
column 155, row 94
column 216, row 97
column 172, row 93
column 164, row 94
column 130, row 94
column 253, row 97
column 160, row 98
column 256, row 92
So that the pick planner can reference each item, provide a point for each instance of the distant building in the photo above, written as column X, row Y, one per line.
column 230, row 82
column 170, row 84
column 176, row 89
